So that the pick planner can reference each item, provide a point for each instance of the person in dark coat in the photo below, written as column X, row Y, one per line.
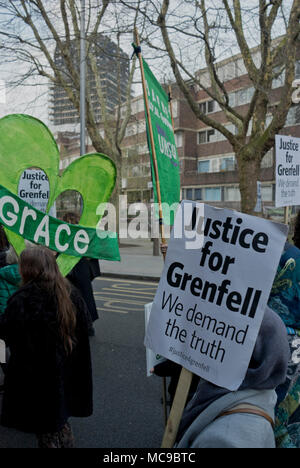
column 82, row 275
column 49, row 374
column 10, row 278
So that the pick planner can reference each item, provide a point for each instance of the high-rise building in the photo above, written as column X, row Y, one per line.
column 113, row 67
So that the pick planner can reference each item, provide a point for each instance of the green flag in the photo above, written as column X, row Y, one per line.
column 165, row 147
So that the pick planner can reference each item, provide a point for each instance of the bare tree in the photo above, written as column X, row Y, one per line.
column 32, row 31
column 197, row 32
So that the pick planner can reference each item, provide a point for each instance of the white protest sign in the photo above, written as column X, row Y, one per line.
column 2, row 351
column 258, row 205
column 152, row 359
column 212, row 295
column 34, row 188
column 287, row 151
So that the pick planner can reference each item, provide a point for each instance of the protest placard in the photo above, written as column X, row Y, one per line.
column 287, row 151
column 152, row 359
column 258, row 206
column 2, row 352
column 34, row 188
column 213, row 291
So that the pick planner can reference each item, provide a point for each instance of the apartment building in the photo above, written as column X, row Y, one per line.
column 211, row 176
column 207, row 161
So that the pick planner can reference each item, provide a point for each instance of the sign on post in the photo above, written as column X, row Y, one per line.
column 218, row 272
column 258, row 206
column 152, row 359
column 287, row 151
column 34, row 188
column 2, row 352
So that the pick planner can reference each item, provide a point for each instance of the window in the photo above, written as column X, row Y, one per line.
column 210, row 134
column 212, row 194
column 216, row 164
column 227, row 164
column 231, row 101
column 178, row 139
column 279, row 76
column 297, row 114
column 189, row 194
column 241, row 97
column 198, row 194
column 232, row 194
column 202, row 107
column 201, row 137
column 267, row 193
column 175, row 108
column 203, row 166
column 293, row 116
column 207, row 107
column 210, row 106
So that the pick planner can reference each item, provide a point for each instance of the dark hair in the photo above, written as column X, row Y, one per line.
column 38, row 264
column 4, row 244
column 296, row 237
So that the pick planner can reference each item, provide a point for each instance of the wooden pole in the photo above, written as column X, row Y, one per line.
column 185, row 376
column 286, row 214
column 184, row 382
column 179, row 402
column 161, row 226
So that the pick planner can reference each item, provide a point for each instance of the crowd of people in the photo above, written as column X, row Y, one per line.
column 46, row 321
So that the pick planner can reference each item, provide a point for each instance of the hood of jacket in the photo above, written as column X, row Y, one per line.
column 267, row 369
column 11, row 274
column 285, row 294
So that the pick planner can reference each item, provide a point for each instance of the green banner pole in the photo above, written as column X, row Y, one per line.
column 161, row 226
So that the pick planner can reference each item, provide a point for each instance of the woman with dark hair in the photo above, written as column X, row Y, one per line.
column 48, row 377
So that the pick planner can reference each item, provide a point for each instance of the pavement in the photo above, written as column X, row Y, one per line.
column 137, row 261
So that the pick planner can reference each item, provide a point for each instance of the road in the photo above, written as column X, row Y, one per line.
column 127, row 404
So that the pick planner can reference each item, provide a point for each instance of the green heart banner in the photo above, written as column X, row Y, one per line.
column 165, row 146
column 27, row 143
column 40, row 228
